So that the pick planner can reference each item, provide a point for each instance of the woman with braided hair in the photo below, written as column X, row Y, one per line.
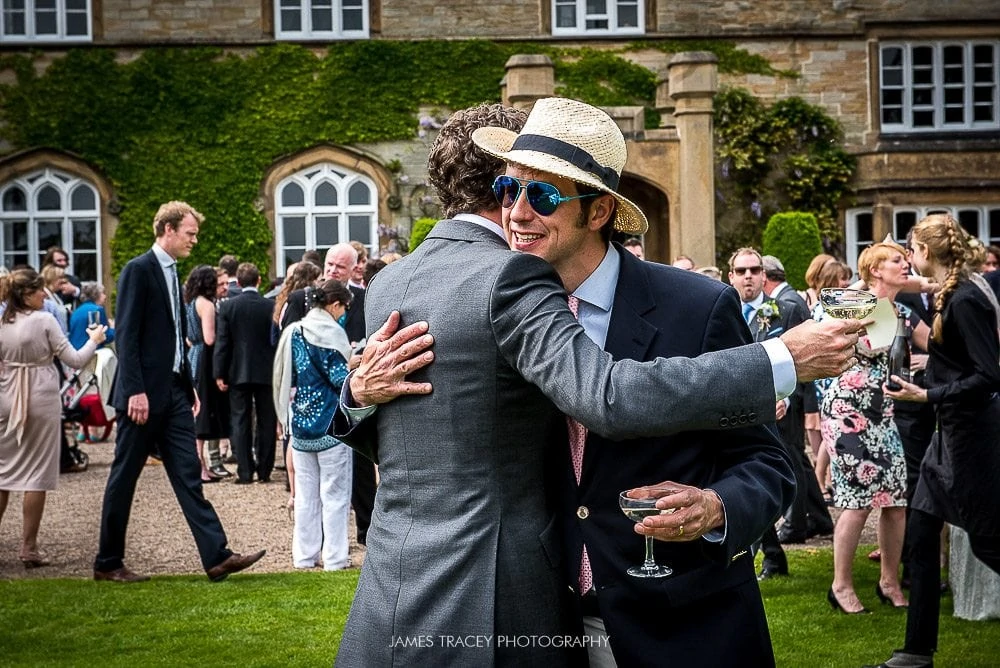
column 958, row 474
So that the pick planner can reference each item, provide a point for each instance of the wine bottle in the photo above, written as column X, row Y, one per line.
column 899, row 356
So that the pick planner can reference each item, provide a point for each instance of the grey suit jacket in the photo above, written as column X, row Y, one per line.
column 464, row 540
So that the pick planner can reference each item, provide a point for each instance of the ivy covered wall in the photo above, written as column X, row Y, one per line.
column 203, row 124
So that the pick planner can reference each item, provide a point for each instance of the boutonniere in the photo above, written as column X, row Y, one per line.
column 767, row 314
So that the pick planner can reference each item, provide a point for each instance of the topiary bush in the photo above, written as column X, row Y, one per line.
column 794, row 239
column 420, row 229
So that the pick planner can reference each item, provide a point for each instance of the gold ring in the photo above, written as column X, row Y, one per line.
column 680, row 531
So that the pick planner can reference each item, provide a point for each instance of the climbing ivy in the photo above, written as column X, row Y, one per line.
column 786, row 157
column 203, row 124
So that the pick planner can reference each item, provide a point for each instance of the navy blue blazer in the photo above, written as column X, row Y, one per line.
column 145, row 336
column 710, row 607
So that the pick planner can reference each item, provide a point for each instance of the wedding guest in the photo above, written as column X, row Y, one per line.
column 958, row 474
column 811, row 293
column 992, row 261
column 310, row 366
column 634, row 246
column 54, row 279
column 92, row 300
column 30, row 404
column 389, row 258
column 866, row 454
column 212, row 422
column 304, row 275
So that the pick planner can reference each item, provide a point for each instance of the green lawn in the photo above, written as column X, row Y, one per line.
column 295, row 619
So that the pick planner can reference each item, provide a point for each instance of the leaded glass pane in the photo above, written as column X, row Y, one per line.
column 48, row 199
column 84, row 235
column 15, row 200
column 293, row 195
column 82, row 199
column 327, row 230
column 326, row 194
column 360, row 229
column 294, row 229
column 359, row 194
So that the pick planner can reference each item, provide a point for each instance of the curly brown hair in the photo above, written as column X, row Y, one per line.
column 950, row 246
column 460, row 172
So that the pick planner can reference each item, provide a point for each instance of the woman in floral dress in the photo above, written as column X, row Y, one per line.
column 866, row 454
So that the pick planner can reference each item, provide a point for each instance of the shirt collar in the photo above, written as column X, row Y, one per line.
column 163, row 257
column 777, row 289
column 250, row 288
column 599, row 288
column 482, row 221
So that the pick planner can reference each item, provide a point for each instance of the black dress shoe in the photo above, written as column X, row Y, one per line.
column 791, row 537
column 234, row 564
column 885, row 599
column 819, row 530
column 220, row 471
column 770, row 571
column 241, row 481
column 903, row 659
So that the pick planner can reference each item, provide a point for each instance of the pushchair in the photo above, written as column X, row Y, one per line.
column 83, row 394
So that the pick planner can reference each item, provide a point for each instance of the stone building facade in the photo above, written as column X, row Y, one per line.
column 915, row 84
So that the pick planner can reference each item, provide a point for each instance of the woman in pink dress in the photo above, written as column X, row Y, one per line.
column 30, row 405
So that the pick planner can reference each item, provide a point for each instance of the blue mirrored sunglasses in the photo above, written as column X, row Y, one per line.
column 543, row 197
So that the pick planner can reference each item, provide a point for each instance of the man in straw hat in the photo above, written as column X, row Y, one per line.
column 465, row 562
column 724, row 488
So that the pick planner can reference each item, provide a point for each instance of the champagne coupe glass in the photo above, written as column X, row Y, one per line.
column 635, row 510
column 845, row 303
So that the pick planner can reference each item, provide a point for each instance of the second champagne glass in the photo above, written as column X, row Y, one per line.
column 636, row 510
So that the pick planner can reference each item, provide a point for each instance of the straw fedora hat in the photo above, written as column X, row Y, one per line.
column 573, row 140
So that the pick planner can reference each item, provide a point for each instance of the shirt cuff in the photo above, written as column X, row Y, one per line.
column 718, row 535
column 782, row 367
column 355, row 414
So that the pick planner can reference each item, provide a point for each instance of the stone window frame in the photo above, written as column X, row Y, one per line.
column 68, row 186
column 980, row 220
column 309, row 179
column 337, row 8
column 611, row 15
column 897, row 81
column 63, row 10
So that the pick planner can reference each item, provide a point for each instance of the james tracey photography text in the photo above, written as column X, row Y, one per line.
column 489, row 641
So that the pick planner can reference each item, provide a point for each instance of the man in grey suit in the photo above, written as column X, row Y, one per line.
column 464, row 563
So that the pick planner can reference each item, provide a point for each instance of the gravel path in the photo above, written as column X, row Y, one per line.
column 159, row 542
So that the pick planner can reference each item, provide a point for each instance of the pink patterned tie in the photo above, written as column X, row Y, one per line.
column 577, row 439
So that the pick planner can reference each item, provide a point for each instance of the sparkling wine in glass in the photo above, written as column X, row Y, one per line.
column 636, row 510
column 845, row 303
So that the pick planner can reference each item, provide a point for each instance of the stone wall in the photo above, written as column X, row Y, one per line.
column 442, row 19
column 161, row 21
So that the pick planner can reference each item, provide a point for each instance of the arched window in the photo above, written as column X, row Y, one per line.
column 51, row 208
column 321, row 206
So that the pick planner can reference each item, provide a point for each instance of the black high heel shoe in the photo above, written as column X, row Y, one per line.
column 835, row 604
column 885, row 599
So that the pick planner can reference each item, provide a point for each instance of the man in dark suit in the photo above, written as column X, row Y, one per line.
column 229, row 264
column 243, row 363
column 340, row 262
column 154, row 398
column 727, row 488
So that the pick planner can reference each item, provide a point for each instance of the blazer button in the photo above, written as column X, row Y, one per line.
column 753, row 417
column 583, row 512
column 724, row 422
column 743, row 419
